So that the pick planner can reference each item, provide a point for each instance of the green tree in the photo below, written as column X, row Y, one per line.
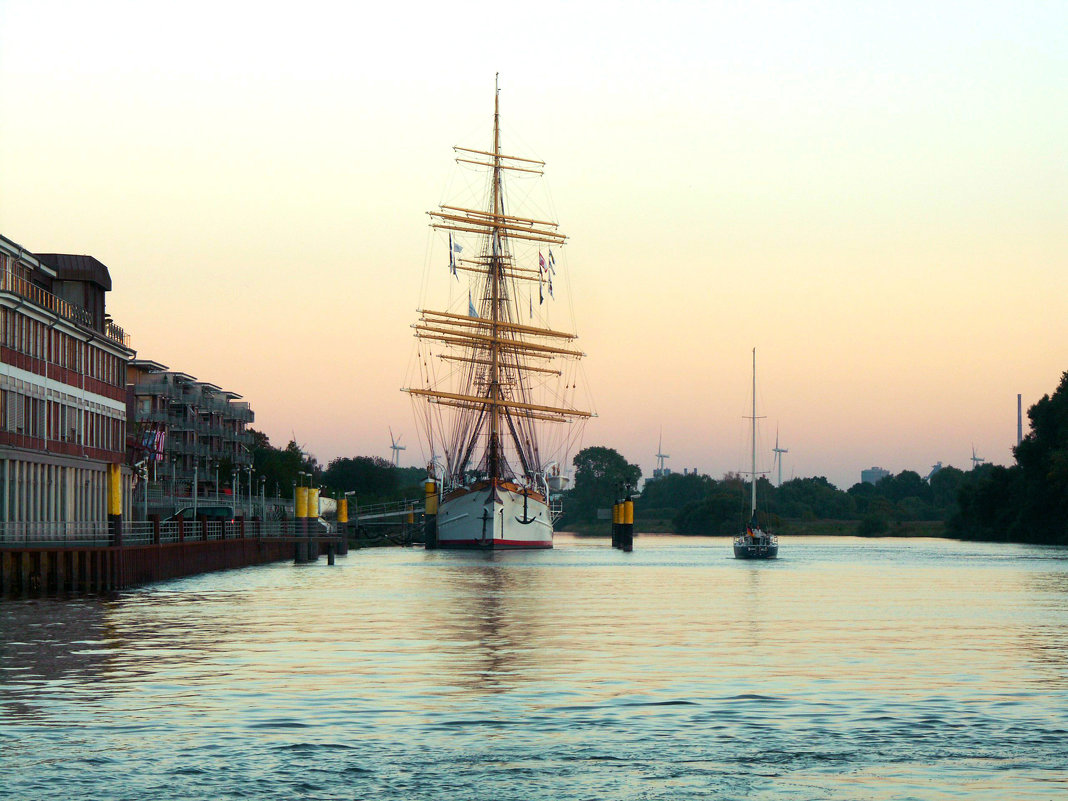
column 278, row 466
column 812, row 498
column 372, row 478
column 944, row 487
column 722, row 512
column 672, row 492
column 599, row 474
column 1027, row 502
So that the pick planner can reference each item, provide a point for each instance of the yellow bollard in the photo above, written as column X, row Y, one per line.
column 343, row 510
column 301, row 498
column 430, row 488
column 114, row 489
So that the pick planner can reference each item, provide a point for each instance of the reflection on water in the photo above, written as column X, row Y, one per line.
column 846, row 669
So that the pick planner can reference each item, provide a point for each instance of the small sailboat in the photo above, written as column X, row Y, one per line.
column 754, row 542
column 497, row 384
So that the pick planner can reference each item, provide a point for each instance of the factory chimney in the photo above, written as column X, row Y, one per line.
column 1019, row 418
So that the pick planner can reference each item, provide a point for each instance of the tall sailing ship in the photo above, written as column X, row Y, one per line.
column 496, row 385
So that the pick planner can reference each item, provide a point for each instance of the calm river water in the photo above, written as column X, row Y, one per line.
column 847, row 669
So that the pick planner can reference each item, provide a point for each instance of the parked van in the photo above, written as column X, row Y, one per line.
column 211, row 512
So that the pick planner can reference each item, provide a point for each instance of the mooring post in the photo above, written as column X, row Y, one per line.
column 430, row 514
column 300, row 512
column 628, row 525
column 343, row 526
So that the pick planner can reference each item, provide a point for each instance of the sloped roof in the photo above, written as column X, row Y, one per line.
column 77, row 268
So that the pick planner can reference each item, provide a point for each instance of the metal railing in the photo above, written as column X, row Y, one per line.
column 388, row 509
column 10, row 282
column 98, row 534
column 65, row 533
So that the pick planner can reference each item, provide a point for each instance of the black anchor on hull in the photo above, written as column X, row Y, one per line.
column 526, row 520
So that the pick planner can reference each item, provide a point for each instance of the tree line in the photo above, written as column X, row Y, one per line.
column 1027, row 502
column 372, row 478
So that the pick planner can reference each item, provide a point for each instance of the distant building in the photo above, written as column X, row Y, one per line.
column 873, row 475
column 184, row 430
column 62, row 387
column 659, row 473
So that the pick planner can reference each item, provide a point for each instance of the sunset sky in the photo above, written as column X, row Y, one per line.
column 874, row 195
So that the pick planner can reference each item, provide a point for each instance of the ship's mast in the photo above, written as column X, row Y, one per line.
column 494, row 457
column 493, row 401
column 752, row 510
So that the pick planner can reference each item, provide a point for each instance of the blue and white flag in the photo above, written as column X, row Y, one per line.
column 552, row 261
column 471, row 311
column 550, row 277
column 454, row 248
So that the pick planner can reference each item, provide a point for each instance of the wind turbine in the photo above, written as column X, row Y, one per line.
column 660, row 455
column 976, row 460
column 396, row 447
column 778, row 453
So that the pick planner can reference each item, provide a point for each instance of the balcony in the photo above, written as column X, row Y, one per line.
column 154, row 388
column 9, row 282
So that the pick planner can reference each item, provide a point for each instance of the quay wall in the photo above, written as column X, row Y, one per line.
column 60, row 568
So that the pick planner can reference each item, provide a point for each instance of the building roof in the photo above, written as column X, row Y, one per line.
column 177, row 376
column 20, row 253
column 77, row 268
column 148, row 365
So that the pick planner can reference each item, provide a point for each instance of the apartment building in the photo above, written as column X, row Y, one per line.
column 185, row 431
column 62, row 387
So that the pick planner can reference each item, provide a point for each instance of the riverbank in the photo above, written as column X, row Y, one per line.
column 790, row 528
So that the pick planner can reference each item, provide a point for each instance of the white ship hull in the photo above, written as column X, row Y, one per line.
column 488, row 516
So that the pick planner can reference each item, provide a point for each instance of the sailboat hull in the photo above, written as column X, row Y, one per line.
column 495, row 517
column 749, row 550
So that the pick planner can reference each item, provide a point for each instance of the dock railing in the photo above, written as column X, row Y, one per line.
column 98, row 534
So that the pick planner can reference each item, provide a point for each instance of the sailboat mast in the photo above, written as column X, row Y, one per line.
column 494, row 456
column 752, row 510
